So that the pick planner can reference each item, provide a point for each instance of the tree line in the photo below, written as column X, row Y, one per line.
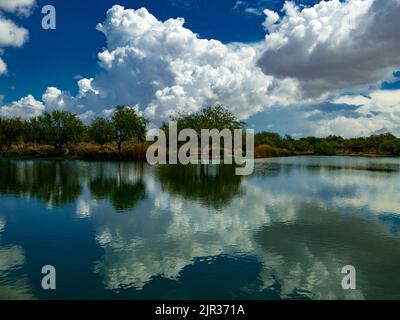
column 270, row 144
column 61, row 129
column 375, row 144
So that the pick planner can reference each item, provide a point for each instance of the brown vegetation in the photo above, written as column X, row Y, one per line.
column 266, row 151
column 83, row 150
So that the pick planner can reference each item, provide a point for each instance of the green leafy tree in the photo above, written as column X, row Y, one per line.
column 101, row 131
column 270, row 138
column 302, row 145
column 128, row 124
column 313, row 141
column 217, row 117
column 10, row 131
column 356, row 144
column 61, row 127
column 390, row 146
column 324, row 148
column 33, row 130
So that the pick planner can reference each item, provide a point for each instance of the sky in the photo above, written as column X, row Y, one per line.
column 303, row 67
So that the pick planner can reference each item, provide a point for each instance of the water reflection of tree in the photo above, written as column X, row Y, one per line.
column 54, row 182
column 212, row 185
column 115, row 184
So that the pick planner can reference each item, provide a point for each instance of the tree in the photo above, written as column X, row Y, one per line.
column 101, row 131
column 61, row 127
column 313, row 140
column 356, row 144
column 302, row 145
column 128, row 124
column 269, row 138
column 390, row 146
column 217, row 117
column 324, row 148
column 33, row 130
column 10, row 130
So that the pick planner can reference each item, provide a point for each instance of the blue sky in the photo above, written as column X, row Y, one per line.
column 300, row 87
column 55, row 57
column 59, row 55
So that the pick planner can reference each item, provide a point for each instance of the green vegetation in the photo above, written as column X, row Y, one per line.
column 101, row 131
column 217, row 117
column 60, row 133
column 375, row 145
column 127, row 124
column 122, row 137
column 10, row 129
column 60, row 128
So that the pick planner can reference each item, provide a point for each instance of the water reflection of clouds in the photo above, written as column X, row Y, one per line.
column 378, row 192
column 166, row 232
column 295, row 257
column 2, row 224
column 371, row 191
column 303, row 223
column 85, row 203
column 12, row 258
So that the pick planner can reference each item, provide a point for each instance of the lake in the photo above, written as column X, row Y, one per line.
column 131, row 231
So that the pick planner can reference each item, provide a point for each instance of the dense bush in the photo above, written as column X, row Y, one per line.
column 385, row 144
column 267, row 151
column 325, row 148
column 390, row 146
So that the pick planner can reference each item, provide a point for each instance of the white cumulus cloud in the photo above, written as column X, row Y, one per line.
column 3, row 66
column 12, row 35
column 164, row 67
column 309, row 58
column 24, row 108
column 22, row 7
column 334, row 46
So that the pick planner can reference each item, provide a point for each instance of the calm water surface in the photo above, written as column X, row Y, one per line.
column 131, row 231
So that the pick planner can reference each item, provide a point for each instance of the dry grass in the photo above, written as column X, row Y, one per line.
column 94, row 152
column 109, row 152
column 84, row 150
column 266, row 151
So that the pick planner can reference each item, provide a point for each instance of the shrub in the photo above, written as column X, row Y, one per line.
column 391, row 146
column 324, row 148
column 266, row 151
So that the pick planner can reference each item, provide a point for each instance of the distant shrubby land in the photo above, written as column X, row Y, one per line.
column 272, row 144
column 61, row 134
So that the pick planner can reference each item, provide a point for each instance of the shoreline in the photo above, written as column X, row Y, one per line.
column 136, row 152
column 122, row 158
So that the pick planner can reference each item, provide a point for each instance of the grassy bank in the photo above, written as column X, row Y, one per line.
column 81, row 151
column 267, row 151
column 137, row 152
